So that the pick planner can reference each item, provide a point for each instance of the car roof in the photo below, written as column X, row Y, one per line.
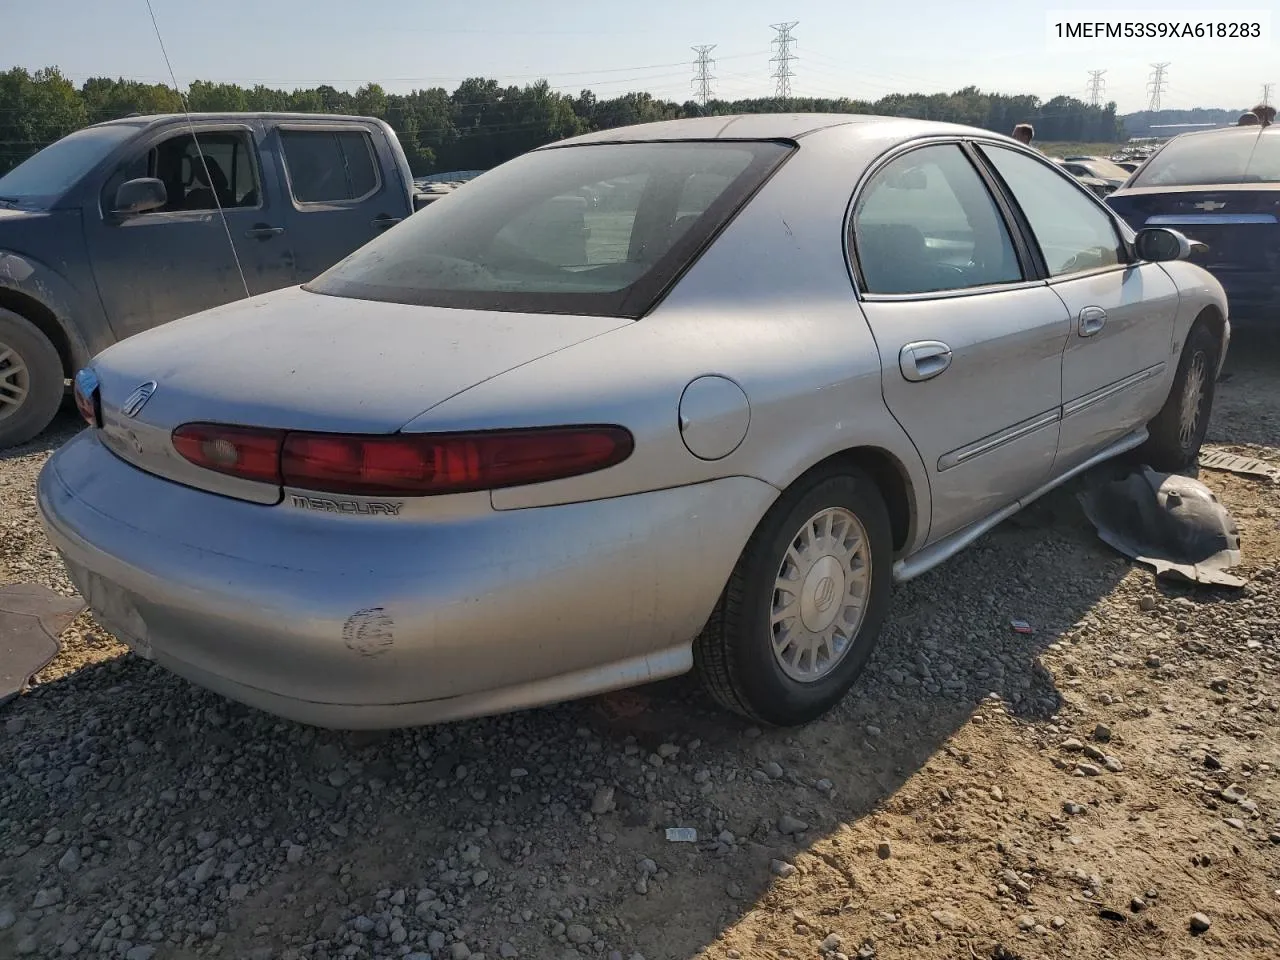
column 769, row 126
column 1253, row 130
column 155, row 118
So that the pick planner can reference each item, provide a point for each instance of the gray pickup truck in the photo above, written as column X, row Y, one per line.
column 132, row 223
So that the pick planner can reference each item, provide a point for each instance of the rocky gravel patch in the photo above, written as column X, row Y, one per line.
column 1103, row 786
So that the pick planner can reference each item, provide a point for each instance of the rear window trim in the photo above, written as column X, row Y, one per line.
column 633, row 302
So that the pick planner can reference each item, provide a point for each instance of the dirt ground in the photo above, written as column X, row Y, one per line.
column 1105, row 787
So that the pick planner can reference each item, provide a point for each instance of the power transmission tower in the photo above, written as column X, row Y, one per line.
column 1266, row 93
column 783, row 58
column 1156, row 85
column 702, row 72
column 1096, row 85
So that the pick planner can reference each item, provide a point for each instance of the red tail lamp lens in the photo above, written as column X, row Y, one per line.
column 245, row 452
column 427, row 464
column 403, row 464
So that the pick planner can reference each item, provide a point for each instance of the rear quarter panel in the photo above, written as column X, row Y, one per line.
column 770, row 305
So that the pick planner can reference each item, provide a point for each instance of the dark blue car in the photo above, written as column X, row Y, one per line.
column 1222, row 188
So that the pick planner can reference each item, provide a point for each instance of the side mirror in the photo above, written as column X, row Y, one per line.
column 1160, row 245
column 139, row 196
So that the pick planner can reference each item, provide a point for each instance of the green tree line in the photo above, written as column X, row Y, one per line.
column 482, row 122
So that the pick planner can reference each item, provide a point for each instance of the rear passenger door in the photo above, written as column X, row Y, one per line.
column 339, row 198
column 970, row 343
column 1122, row 310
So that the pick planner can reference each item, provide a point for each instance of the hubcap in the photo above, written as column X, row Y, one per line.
column 15, row 382
column 1192, row 400
column 820, row 595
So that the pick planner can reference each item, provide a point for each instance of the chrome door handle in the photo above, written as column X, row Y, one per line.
column 263, row 231
column 924, row 360
column 1092, row 319
column 382, row 223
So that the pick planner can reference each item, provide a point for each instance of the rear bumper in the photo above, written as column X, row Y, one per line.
column 374, row 622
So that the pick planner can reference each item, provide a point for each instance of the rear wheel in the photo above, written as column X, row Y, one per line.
column 31, row 380
column 1177, row 431
column 801, row 612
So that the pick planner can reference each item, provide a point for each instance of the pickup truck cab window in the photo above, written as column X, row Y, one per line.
column 211, row 169
column 328, row 166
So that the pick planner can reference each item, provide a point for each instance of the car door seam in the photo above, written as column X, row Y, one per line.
column 1000, row 438
column 1084, row 402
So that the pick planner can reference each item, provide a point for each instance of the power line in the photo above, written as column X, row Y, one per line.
column 702, row 78
column 783, row 58
column 1156, row 85
column 1096, row 85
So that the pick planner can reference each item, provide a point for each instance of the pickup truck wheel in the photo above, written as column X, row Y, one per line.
column 31, row 380
column 802, row 610
column 1178, row 430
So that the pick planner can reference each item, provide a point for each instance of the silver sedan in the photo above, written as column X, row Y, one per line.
column 686, row 395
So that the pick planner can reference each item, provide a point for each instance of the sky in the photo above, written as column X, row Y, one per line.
column 859, row 50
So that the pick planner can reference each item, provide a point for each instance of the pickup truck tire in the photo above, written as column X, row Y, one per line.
column 32, row 383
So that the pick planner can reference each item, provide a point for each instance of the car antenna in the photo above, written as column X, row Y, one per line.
column 235, row 255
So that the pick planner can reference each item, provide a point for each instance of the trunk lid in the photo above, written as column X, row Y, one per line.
column 295, row 360
column 1240, row 223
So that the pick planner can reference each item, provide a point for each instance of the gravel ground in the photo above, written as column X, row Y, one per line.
column 1105, row 787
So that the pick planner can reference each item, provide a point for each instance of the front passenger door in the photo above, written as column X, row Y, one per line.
column 1122, row 312
column 206, row 244
column 970, row 346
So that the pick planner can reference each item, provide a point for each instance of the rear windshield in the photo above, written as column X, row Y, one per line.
column 595, row 230
column 1244, row 155
column 55, row 169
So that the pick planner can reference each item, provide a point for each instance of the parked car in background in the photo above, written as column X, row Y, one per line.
column 1221, row 187
column 1109, row 172
column 527, row 448
column 116, row 228
column 1095, row 185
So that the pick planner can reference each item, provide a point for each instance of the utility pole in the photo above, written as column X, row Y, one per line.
column 783, row 58
column 1156, row 85
column 1266, row 93
column 702, row 73
column 1096, row 85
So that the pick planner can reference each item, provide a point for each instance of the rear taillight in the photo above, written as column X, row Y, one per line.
column 404, row 464
column 85, row 389
column 246, row 452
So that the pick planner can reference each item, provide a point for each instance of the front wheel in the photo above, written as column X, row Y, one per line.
column 31, row 380
column 1177, row 431
column 802, row 610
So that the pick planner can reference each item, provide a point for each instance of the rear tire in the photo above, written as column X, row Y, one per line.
column 802, row 610
column 1177, row 431
column 31, row 380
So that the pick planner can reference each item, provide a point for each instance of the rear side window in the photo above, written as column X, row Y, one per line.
column 1243, row 155
column 594, row 230
column 327, row 166
column 925, row 223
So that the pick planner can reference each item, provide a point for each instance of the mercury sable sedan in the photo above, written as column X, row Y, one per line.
column 686, row 395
